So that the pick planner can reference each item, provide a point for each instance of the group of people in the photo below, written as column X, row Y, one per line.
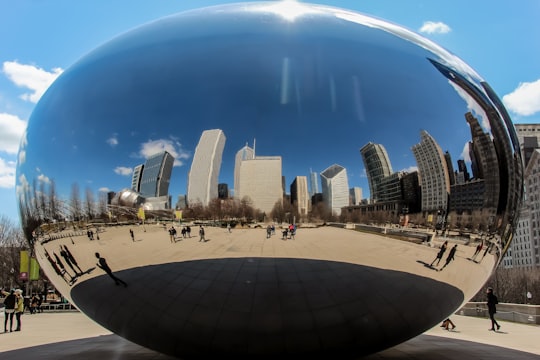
column 449, row 258
column 491, row 303
column 186, row 232
column 13, row 308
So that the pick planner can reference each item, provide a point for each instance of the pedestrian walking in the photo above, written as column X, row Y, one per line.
column 201, row 234
column 492, row 302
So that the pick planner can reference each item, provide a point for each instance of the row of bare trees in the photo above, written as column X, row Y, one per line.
column 512, row 285
column 12, row 241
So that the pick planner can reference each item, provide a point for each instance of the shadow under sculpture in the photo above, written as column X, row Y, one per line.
column 325, row 94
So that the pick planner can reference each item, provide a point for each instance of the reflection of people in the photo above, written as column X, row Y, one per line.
column 447, row 323
column 492, row 302
column 10, row 301
column 440, row 253
column 132, row 235
column 450, row 256
column 102, row 263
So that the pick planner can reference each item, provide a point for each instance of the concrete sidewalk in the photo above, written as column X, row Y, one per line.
column 62, row 335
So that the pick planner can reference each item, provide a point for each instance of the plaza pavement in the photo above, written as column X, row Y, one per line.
column 63, row 335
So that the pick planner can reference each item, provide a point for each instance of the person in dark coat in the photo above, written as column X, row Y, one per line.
column 9, row 308
column 492, row 302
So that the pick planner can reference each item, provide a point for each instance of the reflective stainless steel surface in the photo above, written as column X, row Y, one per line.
column 376, row 144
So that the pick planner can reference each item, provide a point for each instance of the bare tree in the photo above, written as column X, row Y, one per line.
column 89, row 204
column 75, row 202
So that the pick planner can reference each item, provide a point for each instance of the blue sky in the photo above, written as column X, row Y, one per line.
column 38, row 40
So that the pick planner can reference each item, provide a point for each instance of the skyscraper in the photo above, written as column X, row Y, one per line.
column 245, row 153
column 203, row 176
column 335, row 188
column 433, row 171
column 377, row 165
column 156, row 175
column 313, row 183
column 136, row 178
column 300, row 195
column 260, row 181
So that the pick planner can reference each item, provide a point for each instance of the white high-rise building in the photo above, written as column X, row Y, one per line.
column 260, row 180
column 203, row 176
column 335, row 188
column 355, row 195
column 433, row 173
column 245, row 153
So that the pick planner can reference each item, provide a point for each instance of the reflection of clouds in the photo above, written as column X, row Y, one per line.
column 525, row 99
column 104, row 190
column 122, row 170
column 444, row 55
column 288, row 9
column 472, row 106
column 44, row 179
column 465, row 154
column 410, row 169
column 435, row 27
column 33, row 78
column 23, row 186
column 174, row 148
column 113, row 140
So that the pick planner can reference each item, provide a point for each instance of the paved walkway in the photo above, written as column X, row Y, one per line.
column 62, row 335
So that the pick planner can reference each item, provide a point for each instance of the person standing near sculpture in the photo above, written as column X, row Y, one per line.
column 492, row 302
column 10, row 301
column 19, row 308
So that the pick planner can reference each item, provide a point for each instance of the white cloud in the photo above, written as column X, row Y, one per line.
column 525, row 99
column 11, row 131
column 435, row 27
column 44, row 179
column 30, row 77
column 122, row 170
column 7, row 174
column 410, row 169
column 104, row 189
column 466, row 153
column 153, row 147
column 113, row 141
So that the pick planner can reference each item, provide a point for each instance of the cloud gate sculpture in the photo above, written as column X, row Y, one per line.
column 342, row 168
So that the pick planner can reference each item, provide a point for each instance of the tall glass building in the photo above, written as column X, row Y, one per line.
column 377, row 165
column 156, row 175
column 203, row 176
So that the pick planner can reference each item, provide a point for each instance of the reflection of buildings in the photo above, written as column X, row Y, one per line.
column 136, row 178
column 506, row 146
column 156, row 175
column 245, row 153
column 377, row 166
column 355, row 196
column 300, row 194
column 260, row 181
column 335, row 188
column 484, row 162
column 313, row 183
column 434, row 178
column 203, row 176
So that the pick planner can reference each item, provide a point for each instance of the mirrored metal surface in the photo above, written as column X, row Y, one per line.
column 355, row 182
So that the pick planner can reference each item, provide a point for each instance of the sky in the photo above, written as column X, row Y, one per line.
column 39, row 40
